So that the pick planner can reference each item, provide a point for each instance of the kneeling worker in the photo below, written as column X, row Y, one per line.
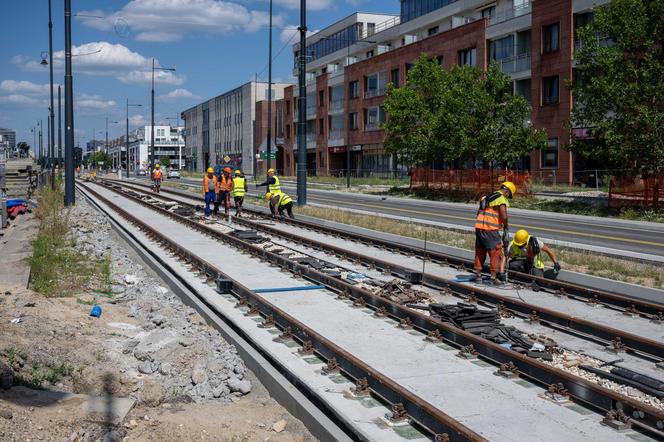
column 239, row 190
column 280, row 203
column 525, row 255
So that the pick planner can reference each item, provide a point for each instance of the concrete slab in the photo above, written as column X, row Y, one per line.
column 467, row 390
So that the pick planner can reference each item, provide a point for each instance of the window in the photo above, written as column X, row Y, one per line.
column 371, row 29
column 321, row 126
column 489, row 12
column 287, row 131
column 373, row 118
column 468, row 57
column 550, row 90
column 440, row 60
column 550, row 38
column 321, row 98
column 353, row 122
column 374, row 84
column 502, row 48
column 354, row 89
column 395, row 77
column 550, row 154
column 370, row 53
column 288, row 109
column 432, row 31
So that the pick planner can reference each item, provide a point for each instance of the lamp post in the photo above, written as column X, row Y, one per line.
column 269, row 97
column 302, row 110
column 59, row 129
column 151, row 156
column 127, row 135
column 51, row 115
column 70, row 197
column 41, row 147
column 347, row 97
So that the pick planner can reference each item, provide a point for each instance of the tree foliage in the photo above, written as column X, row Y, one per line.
column 23, row 147
column 165, row 162
column 464, row 114
column 98, row 157
column 619, row 87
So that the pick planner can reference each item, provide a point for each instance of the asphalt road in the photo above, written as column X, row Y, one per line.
column 623, row 235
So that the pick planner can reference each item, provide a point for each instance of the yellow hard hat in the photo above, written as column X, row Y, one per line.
column 157, row 166
column 210, row 170
column 509, row 186
column 237, row 172
column 521, row 238
column 268, row 196
column 270, row 170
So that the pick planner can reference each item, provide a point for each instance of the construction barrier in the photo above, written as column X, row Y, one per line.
column 475, row 181
column 626, row 192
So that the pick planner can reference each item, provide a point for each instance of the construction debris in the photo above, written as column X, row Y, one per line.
column 401, row 293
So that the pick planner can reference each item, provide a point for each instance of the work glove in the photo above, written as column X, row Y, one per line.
column 556, row 267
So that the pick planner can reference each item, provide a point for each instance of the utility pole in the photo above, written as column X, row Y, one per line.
column 52, row 114
column 127, row 139
column 41, row 144
column 59, row 129
column 70, row 198
column 269, row 97
column 151, row 156
column 302, row 111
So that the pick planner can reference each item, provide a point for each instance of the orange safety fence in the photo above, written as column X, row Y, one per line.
column 625, row 192
column 476, row 181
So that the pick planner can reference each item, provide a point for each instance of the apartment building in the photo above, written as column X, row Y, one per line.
column 168, row 141
column 222, row 128
column 350, row 63
column 9, row 135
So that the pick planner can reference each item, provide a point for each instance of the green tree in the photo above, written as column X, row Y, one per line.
column 23, row 148
column 458, row 115
column 165, row 162
column 100, row 159
column 619, row 87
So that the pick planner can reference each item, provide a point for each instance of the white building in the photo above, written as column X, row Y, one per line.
column 168, row 141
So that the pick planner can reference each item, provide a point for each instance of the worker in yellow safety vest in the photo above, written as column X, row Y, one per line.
column 491, row 219
column 272, row 183
column 239, row 190
column 279, row 204
column 525, row 256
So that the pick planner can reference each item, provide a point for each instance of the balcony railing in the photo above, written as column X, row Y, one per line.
column 337, row 105
column 380, row 27
column 370, row 127
column 336, row 135
column 518, row 63
column 311, row 111
column 370, row 93
column 311, row 137
column 511, row 13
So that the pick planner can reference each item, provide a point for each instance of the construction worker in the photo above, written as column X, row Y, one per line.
column 491, row 219
column 272, row 183
column 156, row 178
column 239, row 190
column 525, row 256
column 225, row 188
column 210, row 190
column 280, row 203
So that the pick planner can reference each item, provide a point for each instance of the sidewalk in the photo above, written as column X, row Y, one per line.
column 15, row 247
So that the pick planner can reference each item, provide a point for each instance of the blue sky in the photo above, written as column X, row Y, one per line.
column 214, row 45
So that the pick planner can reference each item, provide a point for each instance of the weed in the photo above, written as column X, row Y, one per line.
column 11, row 352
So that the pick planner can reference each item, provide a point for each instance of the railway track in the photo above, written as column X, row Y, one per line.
column 648, row 348
column 580, row 390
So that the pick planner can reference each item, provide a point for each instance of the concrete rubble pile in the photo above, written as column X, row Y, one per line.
column 172, row 354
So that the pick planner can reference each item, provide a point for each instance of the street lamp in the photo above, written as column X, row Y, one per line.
column 269, row 98
column 127, row 135
column 151, row 157
column 347, row 97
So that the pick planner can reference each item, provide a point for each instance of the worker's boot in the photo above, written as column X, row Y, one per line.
column 534, row 286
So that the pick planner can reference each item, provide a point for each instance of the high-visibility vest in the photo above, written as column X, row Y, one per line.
column 206, row 184
column 516, row 253
column 275, row 188
column 285, row 199
column 238, row 186
column 488, row 215
column 225, row 183
column 156, row 175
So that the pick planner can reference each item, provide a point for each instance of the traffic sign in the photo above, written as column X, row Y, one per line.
column 273, row 155
column 227, row 159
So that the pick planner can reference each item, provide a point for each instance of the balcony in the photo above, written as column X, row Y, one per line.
column 380, row 27
column 372, row 127
column 336, row 135
column 374, row 92
column 311, row 111
column 518, row 63
column 509, row 14
column 337, row 106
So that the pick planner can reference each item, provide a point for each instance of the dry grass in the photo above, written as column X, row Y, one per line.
column 578, row 261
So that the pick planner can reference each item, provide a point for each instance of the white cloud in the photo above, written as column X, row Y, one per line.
column 292, row 35
column 21, row 99
column 312, row 5
column 107, row 59
column 178, row 94
column 25, row 87
column 172, row 20
column 94, row 102
column 137, row 120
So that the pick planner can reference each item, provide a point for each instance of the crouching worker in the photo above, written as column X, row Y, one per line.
column 525, row 256
column 210, row 190
column 280, row 203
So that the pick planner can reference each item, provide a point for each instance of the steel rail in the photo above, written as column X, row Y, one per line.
column 644, row 308
column 644, row 416
column 423, row 414
column 644, row 347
